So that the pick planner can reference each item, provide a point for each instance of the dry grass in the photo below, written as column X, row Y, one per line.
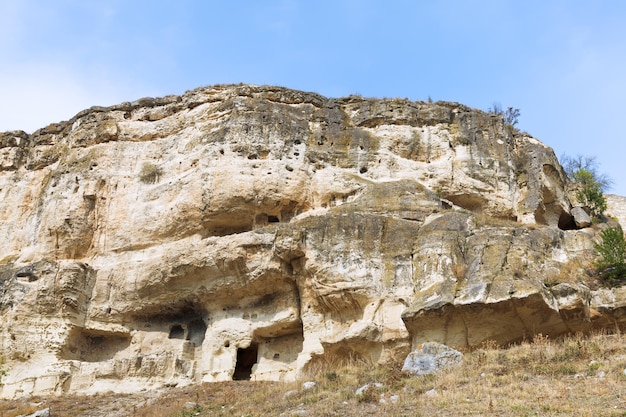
column 575, row 271
column 575, row 376
column 149, row 173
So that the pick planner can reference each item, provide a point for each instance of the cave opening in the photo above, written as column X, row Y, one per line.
column 177, row 332
column 196, row 331
column 246, row 359
column 567, row 222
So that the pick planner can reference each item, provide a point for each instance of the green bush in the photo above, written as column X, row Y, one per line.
column 584, row 171
column 611, row 261
column 590, row 193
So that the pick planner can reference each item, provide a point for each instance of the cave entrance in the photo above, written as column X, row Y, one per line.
column 246, row 359
column 196, row 331
column 567, row 222
column 177, row 332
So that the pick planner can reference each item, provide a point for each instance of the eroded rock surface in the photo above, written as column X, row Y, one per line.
column 616, row 207
column 243, row 232
column 430, row 358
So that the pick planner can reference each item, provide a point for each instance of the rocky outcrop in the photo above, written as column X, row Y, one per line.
column 243, row 232
column 616, row 207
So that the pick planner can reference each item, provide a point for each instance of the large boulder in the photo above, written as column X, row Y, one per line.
column 581, row 217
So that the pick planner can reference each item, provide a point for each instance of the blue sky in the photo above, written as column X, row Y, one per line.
column 562, row 63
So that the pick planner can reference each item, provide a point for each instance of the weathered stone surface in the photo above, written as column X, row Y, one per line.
column 251, row 232
column 431, row 358
column 616, row 206
column 581, row 217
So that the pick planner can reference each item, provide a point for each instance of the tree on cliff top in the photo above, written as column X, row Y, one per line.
column 510, row 115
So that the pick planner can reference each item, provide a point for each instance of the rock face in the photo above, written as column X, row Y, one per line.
column 616, row 207
column 243, row 232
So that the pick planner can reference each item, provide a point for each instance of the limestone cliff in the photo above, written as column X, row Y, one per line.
column 248, row 232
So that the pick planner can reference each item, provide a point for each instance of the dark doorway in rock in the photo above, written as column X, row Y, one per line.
column 177, row 332
column 566, row 222
column 246, row 359
column 196, row 331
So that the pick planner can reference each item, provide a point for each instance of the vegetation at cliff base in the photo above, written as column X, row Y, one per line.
column 611, row 261
column 578, row 375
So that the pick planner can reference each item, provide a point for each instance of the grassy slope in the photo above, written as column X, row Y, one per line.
column 576, row 376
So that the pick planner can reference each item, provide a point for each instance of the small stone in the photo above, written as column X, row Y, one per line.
column 190, row 406
column 362, row 391
column 290, row 394
column 601, row 374
column 431, row 393
column 394, row 398
column 308, row 385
